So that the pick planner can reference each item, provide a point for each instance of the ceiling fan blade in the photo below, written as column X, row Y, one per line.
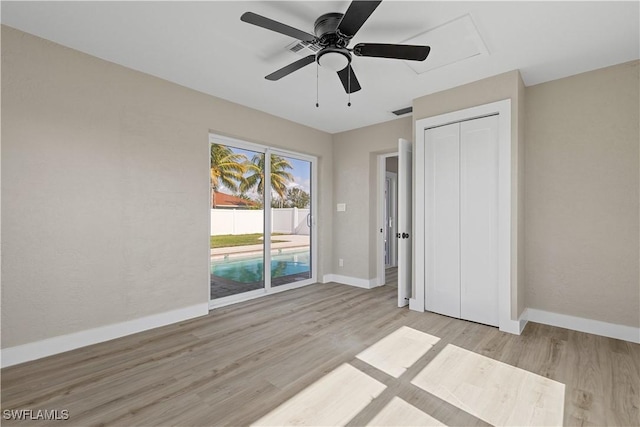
column 294, row 66
column 278, row 27
column 350, row 82
column 356, row 15
column 394, row 51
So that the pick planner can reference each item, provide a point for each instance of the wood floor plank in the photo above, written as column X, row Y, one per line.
column 496, row 392
column 400, row 413
column 239, row 363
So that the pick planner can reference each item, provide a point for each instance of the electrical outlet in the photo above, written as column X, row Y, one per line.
column 340, row 262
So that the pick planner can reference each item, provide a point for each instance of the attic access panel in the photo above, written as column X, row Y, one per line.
column 451, row 42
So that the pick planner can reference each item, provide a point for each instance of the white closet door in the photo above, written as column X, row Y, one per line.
column 442, row 217
column 479, row 220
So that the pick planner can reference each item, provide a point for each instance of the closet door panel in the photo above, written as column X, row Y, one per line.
column 442, row 217
column 479, row 220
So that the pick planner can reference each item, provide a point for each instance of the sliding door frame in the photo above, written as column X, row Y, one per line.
column 313, row 237
column 267, row 222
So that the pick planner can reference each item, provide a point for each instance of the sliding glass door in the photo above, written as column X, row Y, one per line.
column 257, row 192
column 291, row 230
column 237, row 222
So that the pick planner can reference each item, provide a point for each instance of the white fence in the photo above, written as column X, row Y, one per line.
column 241, row 221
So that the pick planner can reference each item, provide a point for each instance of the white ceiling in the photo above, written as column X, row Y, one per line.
column 205, row 46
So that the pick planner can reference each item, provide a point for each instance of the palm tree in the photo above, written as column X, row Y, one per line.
column 296, row 197
column 227, row 168
column 279, row 175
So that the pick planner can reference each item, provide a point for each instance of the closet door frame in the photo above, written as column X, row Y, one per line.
column 505, row 218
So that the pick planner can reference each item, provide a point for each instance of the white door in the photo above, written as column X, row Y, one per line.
column 404, row 221
column 479, row 220
column 461, row 215
column 442, row 217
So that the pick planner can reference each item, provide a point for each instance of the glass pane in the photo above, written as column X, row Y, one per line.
column 291, row 220
column 237, row 221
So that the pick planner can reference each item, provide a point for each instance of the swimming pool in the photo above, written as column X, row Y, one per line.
column 249, row 269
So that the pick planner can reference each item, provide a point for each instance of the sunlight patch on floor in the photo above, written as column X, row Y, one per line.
column 333, row 400
column 400, row 413
column 398, row 351
column 493, row 391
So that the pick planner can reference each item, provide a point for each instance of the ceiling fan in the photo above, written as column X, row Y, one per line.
column 333, row 32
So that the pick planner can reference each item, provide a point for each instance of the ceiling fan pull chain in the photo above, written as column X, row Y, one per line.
column 349, row 84
column 317, row 102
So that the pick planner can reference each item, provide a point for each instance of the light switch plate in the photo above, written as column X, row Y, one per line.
column 341, row 207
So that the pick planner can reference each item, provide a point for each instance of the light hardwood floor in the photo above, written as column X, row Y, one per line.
column 249, row 362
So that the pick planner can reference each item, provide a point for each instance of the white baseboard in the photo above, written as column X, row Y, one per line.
column 50, row 346
column 514, row 326
column 524, row 319
column 415, row 305
column 596, row 327
column 351, row 281
column 510, row 327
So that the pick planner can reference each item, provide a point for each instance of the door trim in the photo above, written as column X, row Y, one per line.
column 505, row 218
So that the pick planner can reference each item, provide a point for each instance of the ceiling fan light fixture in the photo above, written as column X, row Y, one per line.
column 334, row 59
column 333, row 33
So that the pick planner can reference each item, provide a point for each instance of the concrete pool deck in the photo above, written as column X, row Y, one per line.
column 291, row 241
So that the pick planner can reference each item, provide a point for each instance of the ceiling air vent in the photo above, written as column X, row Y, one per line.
column 403, row 111
column 303, row 48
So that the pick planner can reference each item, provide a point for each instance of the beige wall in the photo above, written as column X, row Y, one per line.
column 581, row 187
column 105, row 192
column 105, row 189
column 355, row 170
column 503, row 86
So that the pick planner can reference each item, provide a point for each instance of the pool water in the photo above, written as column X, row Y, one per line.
column 250, row 269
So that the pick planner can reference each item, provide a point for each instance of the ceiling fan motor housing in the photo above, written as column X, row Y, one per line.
column 325, row 30
column 334, row 53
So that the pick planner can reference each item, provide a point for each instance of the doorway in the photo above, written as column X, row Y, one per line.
column 387, row 251
column 394, row 238
column 262, row 220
